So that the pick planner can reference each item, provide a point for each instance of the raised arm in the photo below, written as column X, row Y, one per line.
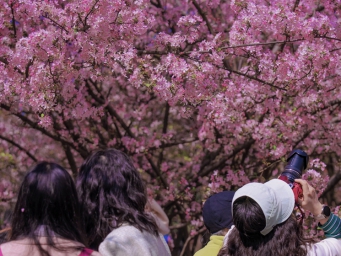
column 331, row 225
column 160, row 216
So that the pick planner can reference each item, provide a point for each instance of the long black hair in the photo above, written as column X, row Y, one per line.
column 111, row 193
column 48, row 206
column 285, row 239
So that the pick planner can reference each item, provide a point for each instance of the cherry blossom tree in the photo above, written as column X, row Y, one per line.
column 203, row 95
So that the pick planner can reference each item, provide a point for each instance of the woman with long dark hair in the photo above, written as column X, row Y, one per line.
column 265, row 224
column 46, row 219
column 113, row 200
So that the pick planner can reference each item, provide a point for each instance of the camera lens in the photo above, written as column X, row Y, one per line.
column 297, row 161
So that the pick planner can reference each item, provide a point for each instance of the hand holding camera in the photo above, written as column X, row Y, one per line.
column 309, row 200
column 305, row 195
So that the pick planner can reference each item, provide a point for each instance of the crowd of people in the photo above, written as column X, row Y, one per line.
column 106, row 212
column 259, row 220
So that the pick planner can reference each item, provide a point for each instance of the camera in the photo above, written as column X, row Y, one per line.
column 297, row 162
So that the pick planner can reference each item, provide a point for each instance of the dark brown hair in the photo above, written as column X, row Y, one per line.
column 112, row 192
column 48, row 204
column 286, row 239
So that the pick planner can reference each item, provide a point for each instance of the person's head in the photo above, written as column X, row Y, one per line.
column 111, row 192
column 264, row 221
column 217, row 212
column 47, row 205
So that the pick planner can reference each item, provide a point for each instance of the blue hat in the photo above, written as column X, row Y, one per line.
column 217, row 211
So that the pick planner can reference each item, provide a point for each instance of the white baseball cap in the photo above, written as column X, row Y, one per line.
column 275, row 198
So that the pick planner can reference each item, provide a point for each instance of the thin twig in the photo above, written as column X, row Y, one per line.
column 4, row 60
column 336, row 49
column 86, row 26
column 203, row 15
column 255, row 78
column 27, row 69
column 113, row 113
column 19, row 147
column 297, row 2
column 5, row 230
column 202, row 230
column 13, row 21
column 330, row 38
column 332, row 183
column 55, row 23
column 260, row 44
column 172, row 144
column 71, row 160
column 222, row 162
column 164, row 131
column 37, row 127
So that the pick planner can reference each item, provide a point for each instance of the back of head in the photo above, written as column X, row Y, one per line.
column 217, row 211
column 47, row 205
column 248, row 218
column 111, row 192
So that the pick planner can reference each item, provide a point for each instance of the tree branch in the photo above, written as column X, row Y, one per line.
column 157, row 171
column 85, row 23
column 27, row 69
column 110, row 109
column 71, row 160
column 297, row 2
column 260, row 44
column 203, row 15
column 164, row 130
column 222, row 162
column 336, row 49
column 13, row 21
column 55, row 23
column 19, row 147
column 4, row 60
column 171, row 144
column 330, row 38
column 252, row 77
column 158, row 4
column 332, row 183
column 210, row 157
column 165, row 119
column 326, row 106
column 113, row 113
column 184, row 248
column 35, row 126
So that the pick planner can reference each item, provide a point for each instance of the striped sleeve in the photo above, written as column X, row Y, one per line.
column 332, row 228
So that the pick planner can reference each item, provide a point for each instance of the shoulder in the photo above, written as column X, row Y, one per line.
column 94, row 253
column 15, row 247
column 213, row 247
column 16, row 243
column 123, row 232
column 200, row 252
column 120, row 239
column 128, row 240
column 328, row 246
